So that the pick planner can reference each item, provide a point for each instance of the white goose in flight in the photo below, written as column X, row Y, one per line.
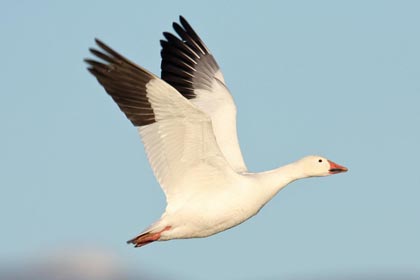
column 187, row 121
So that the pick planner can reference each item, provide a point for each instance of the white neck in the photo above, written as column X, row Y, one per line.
column 276, row 179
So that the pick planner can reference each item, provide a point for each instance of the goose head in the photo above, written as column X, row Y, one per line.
column 317, row 166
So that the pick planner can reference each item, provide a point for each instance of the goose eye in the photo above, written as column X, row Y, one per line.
column 320, row 160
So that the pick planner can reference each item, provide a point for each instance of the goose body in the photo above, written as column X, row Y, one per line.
column 187, row 121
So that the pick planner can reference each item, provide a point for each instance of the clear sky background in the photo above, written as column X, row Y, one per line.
column 340, row 79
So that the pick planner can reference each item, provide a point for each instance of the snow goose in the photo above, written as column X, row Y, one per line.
column 187, row 121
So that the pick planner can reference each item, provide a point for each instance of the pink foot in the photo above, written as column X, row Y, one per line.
column 147, row 237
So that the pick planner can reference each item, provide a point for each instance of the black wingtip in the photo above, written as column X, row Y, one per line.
column 90, row 64
column 93, row 51
column 178, row 28
column 170, row 37
column 166, row 34
column 98, row 42
column 174, row 24
column 184, row 23
column 91, row 70
column 87, row 60
column 101, row 44
column 181, row 18
column 91, row 61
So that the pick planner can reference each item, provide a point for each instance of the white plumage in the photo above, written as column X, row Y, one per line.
column 187, row 121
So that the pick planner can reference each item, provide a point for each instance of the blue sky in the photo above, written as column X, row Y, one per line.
column 335, row 78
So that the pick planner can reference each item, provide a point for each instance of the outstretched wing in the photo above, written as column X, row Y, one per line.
column 178, row 137
column 189, row 67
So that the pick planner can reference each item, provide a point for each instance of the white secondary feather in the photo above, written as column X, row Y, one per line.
column 180, row 142
column 219, row 105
